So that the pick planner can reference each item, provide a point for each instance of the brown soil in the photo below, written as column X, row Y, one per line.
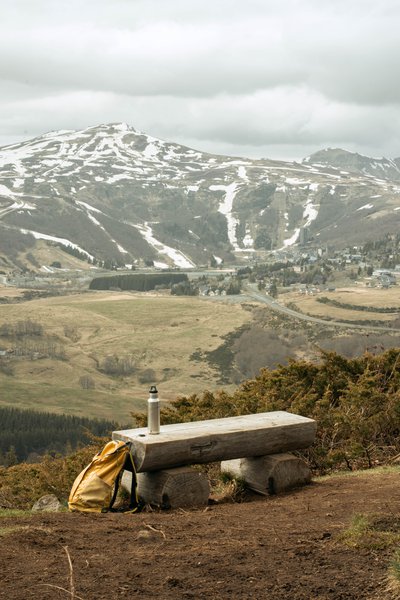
column 277, row 548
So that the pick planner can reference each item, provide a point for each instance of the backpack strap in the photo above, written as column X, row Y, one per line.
column 116, row 488
column 127, row 466
column 130, row 466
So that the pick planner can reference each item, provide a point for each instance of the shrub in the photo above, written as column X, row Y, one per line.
column 86, row 382
column 355, row 402
column 72, row 333
column 118, row 365
column 28, row 327
column 22, row 484
column 147, row 376
column 6, row 367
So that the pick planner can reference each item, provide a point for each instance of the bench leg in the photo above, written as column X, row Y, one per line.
column 172, row 488
column 270, row 474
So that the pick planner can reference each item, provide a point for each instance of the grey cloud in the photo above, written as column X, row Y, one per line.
column 156, row 60
column 254, row 76
column 270, row 118
column 343, row 59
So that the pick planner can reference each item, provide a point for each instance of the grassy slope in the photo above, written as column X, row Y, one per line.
column 359, row 296
column 159, row 332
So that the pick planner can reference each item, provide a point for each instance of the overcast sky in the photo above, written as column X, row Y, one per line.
column 261, row 78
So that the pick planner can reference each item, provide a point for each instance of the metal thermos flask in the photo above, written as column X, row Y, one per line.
column 153, row 412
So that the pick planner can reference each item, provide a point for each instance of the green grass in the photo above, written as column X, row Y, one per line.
column 395, row 566
column 13, row 512
column 49, row 397
column 372, row 531
column 362, row 472
column 393, row 583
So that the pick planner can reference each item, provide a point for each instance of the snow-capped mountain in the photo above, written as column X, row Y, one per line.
column 111, row 192
column 383, row 168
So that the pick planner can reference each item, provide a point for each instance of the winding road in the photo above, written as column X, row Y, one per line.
column 274, row 305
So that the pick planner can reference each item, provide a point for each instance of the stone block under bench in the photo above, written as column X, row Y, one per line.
column 270, row 474
column 171, row 488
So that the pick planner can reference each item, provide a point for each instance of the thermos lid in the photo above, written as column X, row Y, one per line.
column 153, row 390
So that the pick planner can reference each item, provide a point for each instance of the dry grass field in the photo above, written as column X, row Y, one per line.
column 149, row 331
column 46, row 255
column 357, row 296
column 155, row 334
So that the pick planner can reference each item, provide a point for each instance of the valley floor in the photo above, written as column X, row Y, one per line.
column 288, row 546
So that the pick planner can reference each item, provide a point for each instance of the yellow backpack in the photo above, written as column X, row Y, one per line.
column 96, row 487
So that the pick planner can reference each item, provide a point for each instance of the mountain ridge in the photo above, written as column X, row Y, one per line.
column 113, row 193
column 358, row 163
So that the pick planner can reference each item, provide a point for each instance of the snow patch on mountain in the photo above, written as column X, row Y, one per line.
column 52, row 238
column 23, row 206
column 119, row 177
column 296, row 181
column 5, row 191
column 310, row 212
column 248, row 241
column 218, row 259
column 242, row 173
column 293, row 239
column 286, row 217
column 120, row 248
column 225, row 208
column 160, row 265
column 151, row 150
column 178, row 258
column 95, row 221
column 89, row 207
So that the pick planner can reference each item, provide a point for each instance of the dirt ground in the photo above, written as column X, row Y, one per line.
column 277, row 548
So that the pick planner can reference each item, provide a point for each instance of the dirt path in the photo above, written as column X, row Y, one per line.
column 275, row 548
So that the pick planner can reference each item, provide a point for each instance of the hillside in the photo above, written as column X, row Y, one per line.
column 112, row 195
column 96, row 354
column 307, row 544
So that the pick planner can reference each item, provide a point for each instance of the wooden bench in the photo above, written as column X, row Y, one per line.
column 160, row 459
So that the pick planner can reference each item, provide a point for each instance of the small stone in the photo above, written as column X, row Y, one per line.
column 145, row 535
column 47, row 503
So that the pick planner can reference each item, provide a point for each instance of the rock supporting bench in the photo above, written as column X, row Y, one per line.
column 269, row 474
column 171, row 488
column 160, row 457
